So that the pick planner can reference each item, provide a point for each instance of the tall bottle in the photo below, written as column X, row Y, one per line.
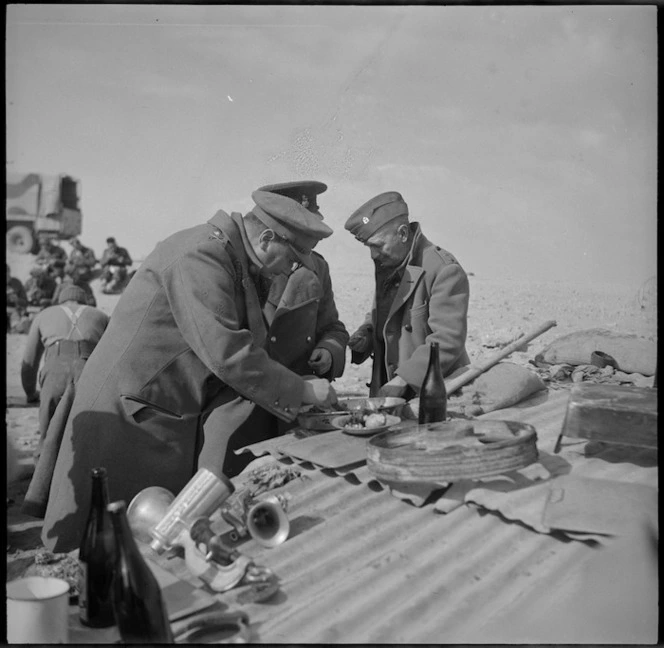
column 137, row 602
column 96, row 558
column 433, row 395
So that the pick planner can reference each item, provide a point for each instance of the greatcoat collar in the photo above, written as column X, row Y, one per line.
column 413, row 273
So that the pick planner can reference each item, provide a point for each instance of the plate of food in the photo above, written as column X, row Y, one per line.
column 386, row 404
column 365, row 424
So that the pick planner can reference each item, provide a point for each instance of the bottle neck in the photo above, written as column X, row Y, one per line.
column 124, row 539
column 99, row 498
column 434, row 360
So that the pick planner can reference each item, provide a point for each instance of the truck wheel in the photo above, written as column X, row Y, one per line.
column 20, row 239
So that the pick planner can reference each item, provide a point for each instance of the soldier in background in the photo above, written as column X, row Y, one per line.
column 17, row 300
column 114, row 263
column 49, row 252
column 305, row 334
column 40, row 287
column 74, row 277
column 66, row 334
column 83, row 259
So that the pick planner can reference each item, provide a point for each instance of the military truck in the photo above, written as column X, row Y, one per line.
column 41, row 204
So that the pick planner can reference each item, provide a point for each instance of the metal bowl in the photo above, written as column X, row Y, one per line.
column 317, row 421
column 147, row 509
column 385, row 404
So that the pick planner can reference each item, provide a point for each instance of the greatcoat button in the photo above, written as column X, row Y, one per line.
column 408, row 327
column 273, row 339
column 308, row 338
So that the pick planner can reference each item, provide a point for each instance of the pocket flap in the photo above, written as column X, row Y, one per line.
column 133, row 404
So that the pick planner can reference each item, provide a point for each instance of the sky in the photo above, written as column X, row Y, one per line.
column 523, row 138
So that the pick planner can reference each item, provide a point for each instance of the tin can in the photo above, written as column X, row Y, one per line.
column 202, row 496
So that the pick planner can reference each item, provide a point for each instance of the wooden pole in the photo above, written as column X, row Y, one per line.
column 475, row 370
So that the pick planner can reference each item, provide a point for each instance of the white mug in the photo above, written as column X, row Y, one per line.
column 37, row 610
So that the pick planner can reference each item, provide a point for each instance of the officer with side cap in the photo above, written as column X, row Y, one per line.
column 186, row 336
column 421, row 296
column 304, row 334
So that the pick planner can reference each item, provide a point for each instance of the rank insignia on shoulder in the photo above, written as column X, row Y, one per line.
column 219, row 235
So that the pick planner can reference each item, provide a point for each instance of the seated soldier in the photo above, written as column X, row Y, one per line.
column 83, row 259
column 114, row 263
column 40, row 287
column 17, row 300
column 49, row 252
column 57, row 270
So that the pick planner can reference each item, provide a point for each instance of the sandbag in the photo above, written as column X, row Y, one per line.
column 633, row 354
column 503, row 385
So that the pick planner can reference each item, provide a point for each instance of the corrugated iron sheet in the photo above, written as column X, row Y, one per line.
column 362, row 566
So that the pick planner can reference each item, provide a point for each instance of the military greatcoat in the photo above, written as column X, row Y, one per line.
column 301, row 316
column 186, row 335
column 431, row 305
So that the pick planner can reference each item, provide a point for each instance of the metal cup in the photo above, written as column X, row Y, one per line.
column 38, row 610
column 203, row 495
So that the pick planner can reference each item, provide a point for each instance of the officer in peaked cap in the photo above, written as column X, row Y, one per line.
column 188, row 335
column 302, row 191
column 421, row 296
column 291, row 221
column 304, row 333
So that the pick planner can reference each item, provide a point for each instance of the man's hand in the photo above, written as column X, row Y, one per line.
column 360, row 341
column 319, row 391
column 320, row 361
column 32, row 398
column 395, row 387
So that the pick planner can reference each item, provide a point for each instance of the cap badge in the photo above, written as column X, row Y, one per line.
column 305, row 201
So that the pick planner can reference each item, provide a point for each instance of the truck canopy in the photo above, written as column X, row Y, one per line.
column 23, row 194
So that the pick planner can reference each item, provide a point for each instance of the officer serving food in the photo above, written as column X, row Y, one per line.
column 304, row 334
column 186, row 336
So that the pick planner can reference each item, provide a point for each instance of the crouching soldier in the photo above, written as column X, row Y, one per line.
column 65, row 334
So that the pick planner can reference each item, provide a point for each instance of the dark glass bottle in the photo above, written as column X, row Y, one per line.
column 433, row 395
column 96, row 558
column 137, row 602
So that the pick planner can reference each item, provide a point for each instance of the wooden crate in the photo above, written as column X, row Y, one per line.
column 612, row 413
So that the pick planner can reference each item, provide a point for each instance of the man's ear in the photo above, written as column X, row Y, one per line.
column 403, row 232
column 265, row 237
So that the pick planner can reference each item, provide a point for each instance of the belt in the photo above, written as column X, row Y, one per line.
column 80, row 348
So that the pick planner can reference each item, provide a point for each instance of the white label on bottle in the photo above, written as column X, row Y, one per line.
column 83, row 590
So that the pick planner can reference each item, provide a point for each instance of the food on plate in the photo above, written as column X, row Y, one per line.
column 374, row 420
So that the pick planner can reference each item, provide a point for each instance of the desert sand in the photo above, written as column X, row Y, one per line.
column 500, row 310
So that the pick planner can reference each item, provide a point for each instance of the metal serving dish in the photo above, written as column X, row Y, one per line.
column 317, row 421
column 323, row 421
column 385, row 404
